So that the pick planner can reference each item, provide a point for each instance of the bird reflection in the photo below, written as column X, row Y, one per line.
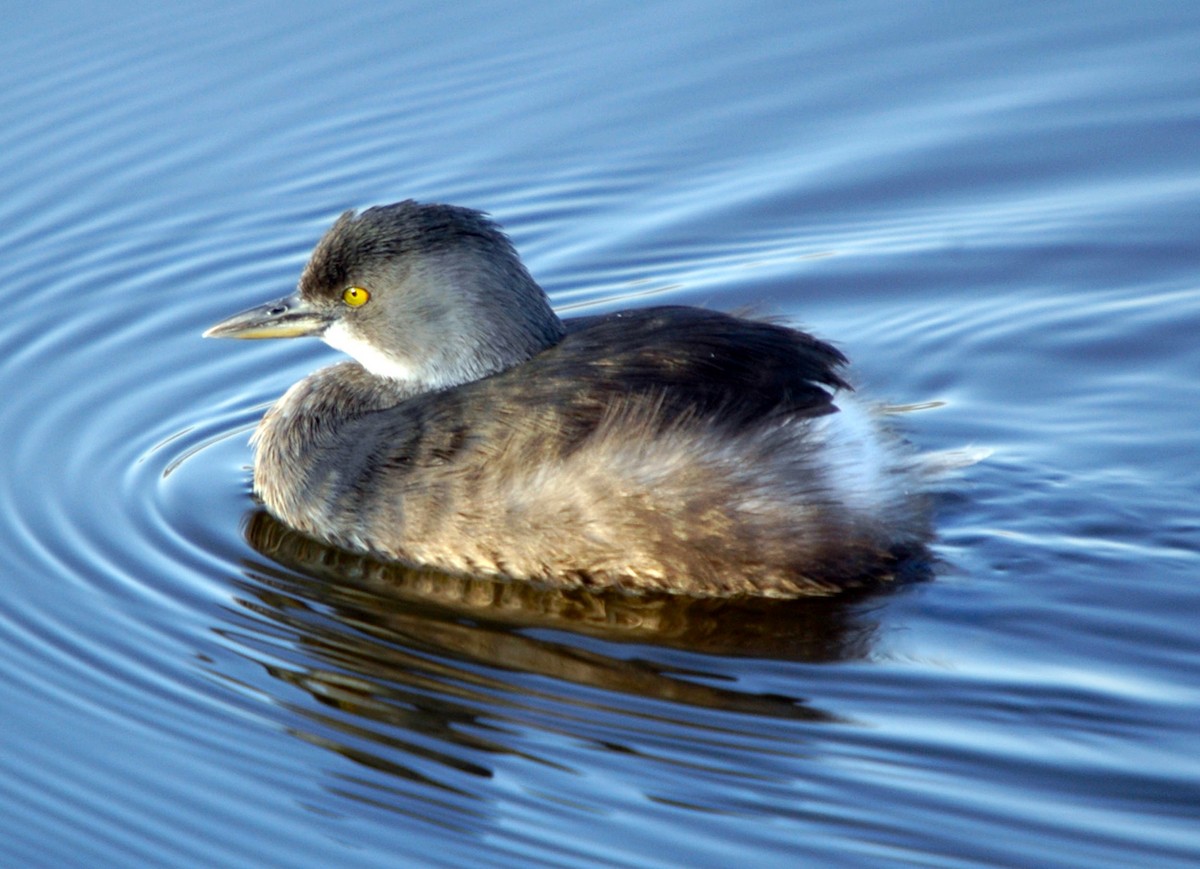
column 423, row 675
column 429, row 606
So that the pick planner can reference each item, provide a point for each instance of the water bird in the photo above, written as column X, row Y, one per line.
column 661, row 449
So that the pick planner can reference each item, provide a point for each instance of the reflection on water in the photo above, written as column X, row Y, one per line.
column 432, row 607
column 410, row 665
column 423, row 676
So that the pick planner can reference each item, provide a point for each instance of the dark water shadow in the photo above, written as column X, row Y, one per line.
column 428, row 603
column 421, row 675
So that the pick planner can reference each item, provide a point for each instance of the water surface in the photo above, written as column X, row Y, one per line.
column 993, row 211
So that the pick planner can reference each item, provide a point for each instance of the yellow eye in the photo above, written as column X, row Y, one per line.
column 355, row 297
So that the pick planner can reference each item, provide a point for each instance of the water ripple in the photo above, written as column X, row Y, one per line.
column 994, row 215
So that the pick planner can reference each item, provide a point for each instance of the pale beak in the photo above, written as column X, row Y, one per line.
column 289, row 317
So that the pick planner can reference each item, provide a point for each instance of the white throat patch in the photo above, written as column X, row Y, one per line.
column 339, row 337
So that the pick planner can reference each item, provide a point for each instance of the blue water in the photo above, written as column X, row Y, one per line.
column 992, row 208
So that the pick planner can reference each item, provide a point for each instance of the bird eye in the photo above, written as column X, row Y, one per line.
column 355, row 297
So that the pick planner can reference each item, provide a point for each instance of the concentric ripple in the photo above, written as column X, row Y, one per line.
column 993, row 213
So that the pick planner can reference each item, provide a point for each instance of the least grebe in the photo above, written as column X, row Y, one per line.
column 666, row 448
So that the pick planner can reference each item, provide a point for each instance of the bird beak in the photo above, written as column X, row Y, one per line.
column 289, row 317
